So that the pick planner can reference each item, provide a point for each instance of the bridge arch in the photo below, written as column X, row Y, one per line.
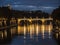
column 47, row 22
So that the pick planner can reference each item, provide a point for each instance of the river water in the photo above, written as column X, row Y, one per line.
column 30, row 34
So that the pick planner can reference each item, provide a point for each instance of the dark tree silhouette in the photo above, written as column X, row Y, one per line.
column 56, row 13
column 6, row 12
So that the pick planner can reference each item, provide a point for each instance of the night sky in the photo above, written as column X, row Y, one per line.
column 44, row 5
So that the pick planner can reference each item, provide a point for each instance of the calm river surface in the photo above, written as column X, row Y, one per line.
column 30, row 34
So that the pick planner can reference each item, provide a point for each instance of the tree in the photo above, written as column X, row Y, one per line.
column 56, row 13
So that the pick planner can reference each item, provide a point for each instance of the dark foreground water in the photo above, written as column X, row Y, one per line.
column 33, row 39
column 19, row 40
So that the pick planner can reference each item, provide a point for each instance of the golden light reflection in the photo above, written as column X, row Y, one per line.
column 37, row 31
column 50, row 28
column 18, row 29
column 43, row 28
column 46, row 27
column 31, row 31
column 24, row 31
column 2, row 35
column 57, row 35
column 13, row 31
column 49, row 31
column 5, row 32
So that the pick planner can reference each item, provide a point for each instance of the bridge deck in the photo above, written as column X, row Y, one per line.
column 37, row 19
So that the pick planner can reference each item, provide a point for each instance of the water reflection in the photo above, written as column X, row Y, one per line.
column 29, row 33
column 1, row 35
column 43, row 28
column 33, row 29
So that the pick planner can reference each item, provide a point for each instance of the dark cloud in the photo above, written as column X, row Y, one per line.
column 45, row 5
column 32, row 2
